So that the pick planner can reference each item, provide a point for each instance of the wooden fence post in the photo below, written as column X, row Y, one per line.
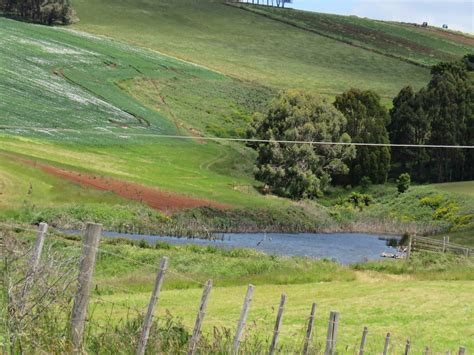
column 363, row 341
column 152, row 306
column 200, row 318
column 407, row 347
column 309, row 331
column 243, row 319
column 427, row 351
column 276, row 331
column 410, row 241
column 462, row 350
column 444, row 244
column 86, row 270
column 331, row 338
column 34, row 262
column 387, row 344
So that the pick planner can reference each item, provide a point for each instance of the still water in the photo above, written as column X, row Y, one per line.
column 346, row 248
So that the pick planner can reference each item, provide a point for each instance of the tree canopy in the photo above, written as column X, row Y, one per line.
column 301, row 170
column 366, row 123
column 43, row 11
column 440, row 114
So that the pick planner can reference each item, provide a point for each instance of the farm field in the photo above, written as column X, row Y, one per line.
column 425, row 46
column 92, row 125
column 271, row 53
column 405, row 302
column 382, row 305
column 465, row 188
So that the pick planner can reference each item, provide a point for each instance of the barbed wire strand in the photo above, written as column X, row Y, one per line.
column 242, row 140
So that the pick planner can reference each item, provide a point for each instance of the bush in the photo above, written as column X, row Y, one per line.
column 403, row 182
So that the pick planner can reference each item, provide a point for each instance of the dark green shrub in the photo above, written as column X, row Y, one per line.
column 403, row 182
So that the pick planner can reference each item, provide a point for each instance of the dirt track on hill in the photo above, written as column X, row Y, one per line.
column 167, row 202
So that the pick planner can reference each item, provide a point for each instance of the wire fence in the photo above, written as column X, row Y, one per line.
column 99, row 300
column 120, row 135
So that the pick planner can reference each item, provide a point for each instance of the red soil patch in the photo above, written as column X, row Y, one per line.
column 160, row 200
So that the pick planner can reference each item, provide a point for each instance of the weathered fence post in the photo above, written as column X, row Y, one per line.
column 276, row 331
column 331, row 338
column 427, row 351
column 152, row 306
column 36, row 256
column 309, row 331
column 410, row 241
column 387, row 344
column 363, row 341
column 462, row 350
column 86, row 270
column 243, row 319
column 200, row 318
column 444, row 244
column 34, row 261
column 407, row 347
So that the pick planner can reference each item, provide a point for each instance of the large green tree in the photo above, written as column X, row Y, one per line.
column 301, row 170
column 440, row 114
column 366, row 123
column 410, row 124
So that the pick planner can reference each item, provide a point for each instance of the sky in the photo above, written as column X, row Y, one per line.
column 457, row 14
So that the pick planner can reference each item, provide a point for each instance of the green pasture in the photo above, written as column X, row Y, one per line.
column 465, row 188
column 404, row 298
column 417, row 44
column 247, row 46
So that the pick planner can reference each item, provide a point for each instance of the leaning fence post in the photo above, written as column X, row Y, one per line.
column 34, row 261
column 200, row 318
column 309, row 331
column 387, row 344
column 152, row 306
column 276, row 331
column 332, row 333
column 243, row 319
column 86, row 270
column 363, row 341
column 462, row 350
column 407, row 347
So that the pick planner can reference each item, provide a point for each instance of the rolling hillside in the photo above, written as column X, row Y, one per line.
column 415, row 44
column 247, row 46
column 102, row 106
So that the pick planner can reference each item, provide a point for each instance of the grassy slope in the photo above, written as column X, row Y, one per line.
column 403, row 304
column 416, row 44
column 71, row 81
column 247, row 46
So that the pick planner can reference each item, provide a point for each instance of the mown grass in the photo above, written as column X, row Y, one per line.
column 219, row 36
column 428, row 301
column 394, row 39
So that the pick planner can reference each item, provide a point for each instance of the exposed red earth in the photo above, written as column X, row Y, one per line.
column 160, row 200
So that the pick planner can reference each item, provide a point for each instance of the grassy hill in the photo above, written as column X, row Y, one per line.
column 247, row 46
column 423, row 46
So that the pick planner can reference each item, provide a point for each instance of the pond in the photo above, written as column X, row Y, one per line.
column 345, row 248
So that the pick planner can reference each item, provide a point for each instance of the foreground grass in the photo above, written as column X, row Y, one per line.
column 430, row 306
column 428, row 291
column 431, row 313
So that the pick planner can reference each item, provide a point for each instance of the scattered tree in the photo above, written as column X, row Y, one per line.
column 301, row 170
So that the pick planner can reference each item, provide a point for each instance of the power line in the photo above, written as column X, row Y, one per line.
column 243, row 140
